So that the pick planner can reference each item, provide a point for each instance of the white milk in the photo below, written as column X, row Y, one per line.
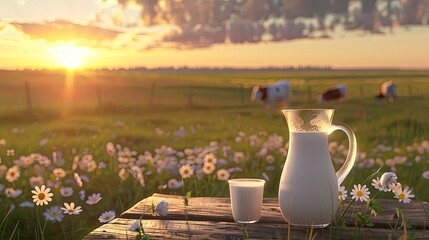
column 308, row 193
column 246, row 199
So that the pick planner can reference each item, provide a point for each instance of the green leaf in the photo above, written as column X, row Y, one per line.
column 187, row 196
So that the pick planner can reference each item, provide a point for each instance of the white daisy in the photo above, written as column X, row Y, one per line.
column 238, row 157
column 13, row 174
column 360, row 193
column 162, row 208
column 403, row 195
column 71, row 209
column 66, row 191
column 54, row 214
column 342, row 193
column 186, row 171
column 94, row 198
column 208, row 168
column 223, row 175
column 210, row 158
column 107, row 217
column 59, row 172
column 376, row 183
column 42, row 195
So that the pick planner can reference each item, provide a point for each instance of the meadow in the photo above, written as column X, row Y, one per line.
column 162, row 120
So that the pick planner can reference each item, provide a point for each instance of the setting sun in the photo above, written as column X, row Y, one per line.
column 69, row 56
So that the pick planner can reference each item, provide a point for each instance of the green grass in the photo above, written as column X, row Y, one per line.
column 216, row 112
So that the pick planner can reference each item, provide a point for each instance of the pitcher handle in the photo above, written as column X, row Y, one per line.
column 351, row 156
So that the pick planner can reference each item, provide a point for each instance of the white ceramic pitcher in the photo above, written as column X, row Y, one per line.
column 308, row 191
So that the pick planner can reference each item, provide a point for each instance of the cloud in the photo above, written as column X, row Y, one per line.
column 207, row 22
column 61, row 30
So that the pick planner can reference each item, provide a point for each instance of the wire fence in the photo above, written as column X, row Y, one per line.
column 32, row 97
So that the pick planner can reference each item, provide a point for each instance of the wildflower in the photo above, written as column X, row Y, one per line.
column 2, row 142
column 10, row 152
column 91, row 166
column 3, row 170
column 26, row 161
column 265, row 176
column 78, row 179
column 27, row 204
column 71, row 209
column 174, row 184
column 59, row 173
column 342, row 193
column 162, row 208
column 13, row 174
column 94, row 198
column 135, row 226
column 102, row 165
column 270, row 159
column 210, row 159
column 43, row 142
column 378, row 185
column 53, row 214
column 223, row 175
column 186, row 171
column 36, row 181
column 66, row 191
column 82, row 194
column 42, row 195
column 110, row 149
column 387, row 179
column 238, row 157
column 107, row 217
column 209, row 168
column 12, row 193
column 123, row 175
column 425, row 175
column 360, row 193
column 403, row 195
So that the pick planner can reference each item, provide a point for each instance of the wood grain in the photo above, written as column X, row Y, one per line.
column 211, row 218
column 178, row 229
column 218, row 209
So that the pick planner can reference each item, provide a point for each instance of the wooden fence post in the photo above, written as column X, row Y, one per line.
column 191, row 92
column 243, row 98
column 99, row 96
column 309, row 93
column 152, row 94
column 28, row 97
column 410, row 90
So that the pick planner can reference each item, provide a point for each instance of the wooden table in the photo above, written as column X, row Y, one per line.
column 209, row 217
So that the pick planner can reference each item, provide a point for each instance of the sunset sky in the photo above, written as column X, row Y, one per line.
column 96, row 33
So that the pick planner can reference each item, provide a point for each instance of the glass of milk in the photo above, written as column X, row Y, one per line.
column 246, row 196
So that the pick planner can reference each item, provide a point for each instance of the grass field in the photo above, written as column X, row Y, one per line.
column 186, row 109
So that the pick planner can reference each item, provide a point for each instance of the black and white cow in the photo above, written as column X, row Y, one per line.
column 272, row 93
column 336, row 93
column 387, row 91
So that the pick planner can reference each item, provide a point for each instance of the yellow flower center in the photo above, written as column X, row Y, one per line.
column 70, row 210
column 54, row 214
column 401, row 196
column 379, row 184
column 12, row 174
column 340, row 193
column 359, row 193
column 107, row 217
column 41, row 196
column 186, row 171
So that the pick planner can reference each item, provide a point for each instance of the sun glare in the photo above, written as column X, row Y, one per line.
column 68, row 56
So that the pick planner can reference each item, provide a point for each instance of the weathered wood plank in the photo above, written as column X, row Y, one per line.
column 218, row 209
column 179, row 229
